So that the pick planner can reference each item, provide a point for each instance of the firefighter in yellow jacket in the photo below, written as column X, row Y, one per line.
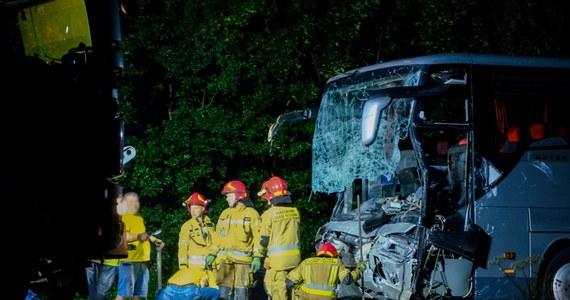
column 280, row 230
column 236, row 246
column 195, row 237
column 316, row 278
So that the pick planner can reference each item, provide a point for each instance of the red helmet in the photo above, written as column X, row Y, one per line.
column 237, row 187
column 327, row 249
column 273, row 188
column 197, row 199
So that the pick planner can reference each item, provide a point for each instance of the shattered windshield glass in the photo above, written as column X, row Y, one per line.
column 339, row 156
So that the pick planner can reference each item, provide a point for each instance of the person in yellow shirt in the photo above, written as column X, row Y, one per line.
column 133, row 275
column 195, row 237
column 280, row 231
column 101, row 277
column 102, row 273
column 316, row 278
column 236, row 246
column 188, row 284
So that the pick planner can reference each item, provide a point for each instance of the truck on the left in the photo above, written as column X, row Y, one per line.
column 61, row 137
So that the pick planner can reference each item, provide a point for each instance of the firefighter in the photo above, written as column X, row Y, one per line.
column 316, row 278
column 195, row 237
column 188, row 284
column 236, row 246
column 280, row 229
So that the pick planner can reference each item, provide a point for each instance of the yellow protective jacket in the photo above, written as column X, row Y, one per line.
column 237, row 234
column 280, row 229
column 194, row 242
column 139, row 250
column 319, row 276
column 188, row 276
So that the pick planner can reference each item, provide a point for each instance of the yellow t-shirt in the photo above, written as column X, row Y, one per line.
column 108, row 261
column 140, row 250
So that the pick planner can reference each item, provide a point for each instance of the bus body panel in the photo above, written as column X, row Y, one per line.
column 533, row 182
column 508, row 228
column 546, row 220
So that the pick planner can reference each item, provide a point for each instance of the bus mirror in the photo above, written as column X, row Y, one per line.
column 129, row 153
column 370, row 117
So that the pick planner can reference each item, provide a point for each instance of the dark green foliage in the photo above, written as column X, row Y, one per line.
column 204, row 80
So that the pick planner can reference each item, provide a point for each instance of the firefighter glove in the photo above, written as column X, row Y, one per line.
column 361, row 266
column 210, row 261
column 255, row 264
column 290, row 284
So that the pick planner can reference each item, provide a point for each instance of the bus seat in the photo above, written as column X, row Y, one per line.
column 457, row 159
column 442, row 147
column 560, row 131
column 536, row 131
column 440, row 156
column 407, row 173
column 513, row 139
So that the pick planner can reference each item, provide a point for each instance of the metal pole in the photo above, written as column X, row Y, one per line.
column 360, row 242
column 158, row 260
column 159, row 266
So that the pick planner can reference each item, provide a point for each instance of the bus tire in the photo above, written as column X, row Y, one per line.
column 556, row 279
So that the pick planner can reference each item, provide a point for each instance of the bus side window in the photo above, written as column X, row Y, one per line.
column 541, row 130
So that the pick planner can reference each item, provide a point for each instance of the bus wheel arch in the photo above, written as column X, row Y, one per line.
column 555, row 280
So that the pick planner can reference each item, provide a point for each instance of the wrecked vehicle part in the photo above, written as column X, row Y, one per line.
column 389, row 252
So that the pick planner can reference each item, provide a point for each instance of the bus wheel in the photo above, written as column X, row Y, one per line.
column 556, row 280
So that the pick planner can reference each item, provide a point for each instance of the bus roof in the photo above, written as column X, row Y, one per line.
column 468, row 59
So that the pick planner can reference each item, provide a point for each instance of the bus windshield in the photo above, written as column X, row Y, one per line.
column 337, row 145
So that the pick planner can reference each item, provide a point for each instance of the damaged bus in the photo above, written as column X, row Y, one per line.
column 452, row 175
